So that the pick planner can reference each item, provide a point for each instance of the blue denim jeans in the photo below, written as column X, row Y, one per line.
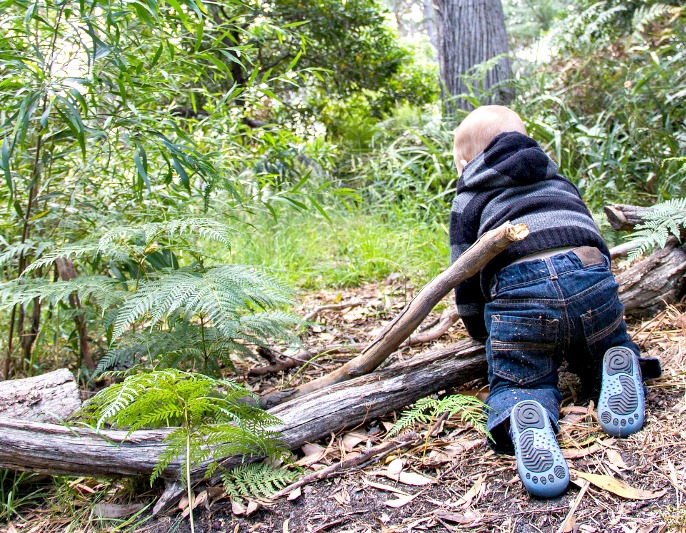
column 542, row 311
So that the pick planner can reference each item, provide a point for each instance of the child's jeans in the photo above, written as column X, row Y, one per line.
column 544, row 310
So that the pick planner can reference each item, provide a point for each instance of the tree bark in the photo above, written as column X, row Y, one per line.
column 77, row 451
column 471, row 32
column 624, row 217
column 50, row 397
column 651, row 283
column 659, row 279
column 66, row 271
column 401, row 327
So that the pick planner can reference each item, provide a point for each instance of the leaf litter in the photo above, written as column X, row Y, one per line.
column 453, row 481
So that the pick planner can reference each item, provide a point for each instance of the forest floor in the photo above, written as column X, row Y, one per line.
column 453, row 481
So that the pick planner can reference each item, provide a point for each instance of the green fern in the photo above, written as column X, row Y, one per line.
column 259, row 480
column 139, row 241
column 220, row 295
column 107, row 292
column 212, row 418
column 662, row 221
column 425, row 411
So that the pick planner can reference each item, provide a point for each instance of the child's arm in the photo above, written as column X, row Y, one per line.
column 470, row 306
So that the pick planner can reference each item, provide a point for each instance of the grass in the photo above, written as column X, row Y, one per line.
column 309, row 252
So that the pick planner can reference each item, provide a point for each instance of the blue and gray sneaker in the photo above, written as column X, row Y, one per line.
column 540, row 463
column 621, row 406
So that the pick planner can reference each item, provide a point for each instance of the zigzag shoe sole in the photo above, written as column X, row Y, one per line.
column 621, row 406
column 540, row 464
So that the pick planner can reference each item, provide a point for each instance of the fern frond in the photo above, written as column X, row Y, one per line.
column 646, row 15
column 259, row 480
column 105, row 291
column 425, row 410
column 220, row 295
column 662, row 221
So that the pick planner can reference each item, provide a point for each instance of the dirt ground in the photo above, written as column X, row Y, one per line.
column 453, row 481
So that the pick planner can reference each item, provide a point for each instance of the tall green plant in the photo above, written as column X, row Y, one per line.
column 194, row 316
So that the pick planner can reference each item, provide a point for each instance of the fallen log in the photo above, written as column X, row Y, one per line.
column 50, row 397
column 651, row 283
column 654, row 281
column 60, row 450
column 624, row 217
column 401, row 327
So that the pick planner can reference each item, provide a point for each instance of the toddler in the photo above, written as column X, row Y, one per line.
column 548, row 297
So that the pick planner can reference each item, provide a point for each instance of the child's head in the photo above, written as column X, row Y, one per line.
column 479, row 128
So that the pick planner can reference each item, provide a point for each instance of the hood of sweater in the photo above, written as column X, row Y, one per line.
column 509, row 160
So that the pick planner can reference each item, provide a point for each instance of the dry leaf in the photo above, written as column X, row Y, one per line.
column 399, row 502
column 203, row 497
column 113, row 510
column 183, row 502
column 468, row 517
column 577, row 453
column 412, row 478
column 387, row 425
column 394, row 468
column 285, row 526
column 11, row 529
column 617, row 486
column 237, row 508
column 616, row 459
column 469, row 496
column 294, row 494
column 313, row 453
column 252, row 507
column 352, row 439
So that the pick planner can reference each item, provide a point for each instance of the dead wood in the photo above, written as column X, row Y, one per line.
column 401, row 327
column 624, row 217
column 331, row 307
column 285, row 362
column 647, row 285
column 66, row 271
column 78, row 451
column 50, row 397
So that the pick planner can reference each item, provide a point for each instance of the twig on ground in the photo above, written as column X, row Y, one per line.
column 286, row 362
column 331, row 307
column 385, row 448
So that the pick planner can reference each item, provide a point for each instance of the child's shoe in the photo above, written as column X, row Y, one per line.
column 621, row 406
column 540, row 463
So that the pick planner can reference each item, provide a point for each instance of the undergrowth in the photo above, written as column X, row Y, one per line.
column 355, row 247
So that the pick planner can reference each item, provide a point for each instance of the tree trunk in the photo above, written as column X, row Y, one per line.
column 50, row 397
column 66, row 271
column 471, row 32
column 77, row 451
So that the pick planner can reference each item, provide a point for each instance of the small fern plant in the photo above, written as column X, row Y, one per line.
column 664, row 219
column 211, row 418
column 260, row 480
column 425, row 411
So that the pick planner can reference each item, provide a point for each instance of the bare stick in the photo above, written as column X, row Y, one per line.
column 489, row 245
column 448, row 318
column 331, row 307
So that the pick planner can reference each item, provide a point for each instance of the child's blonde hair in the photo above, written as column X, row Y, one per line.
column 479, row 128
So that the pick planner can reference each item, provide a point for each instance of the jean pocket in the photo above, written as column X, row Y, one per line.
column 604, row 326
column 523, row 348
